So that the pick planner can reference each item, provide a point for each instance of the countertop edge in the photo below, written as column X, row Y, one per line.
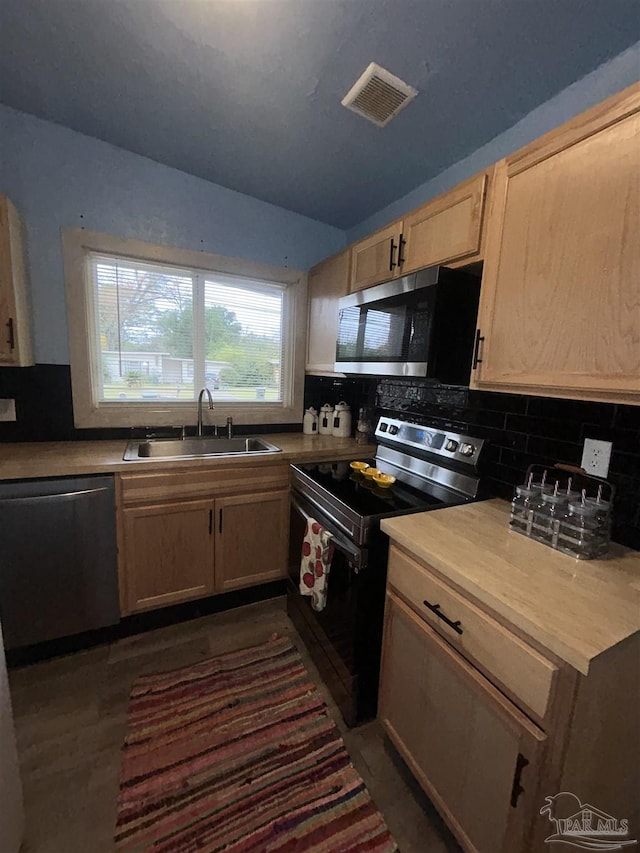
column 514, row 616
column 34, row 460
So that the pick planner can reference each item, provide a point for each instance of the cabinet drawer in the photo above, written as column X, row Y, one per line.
column 224, row 479
column 505, row 658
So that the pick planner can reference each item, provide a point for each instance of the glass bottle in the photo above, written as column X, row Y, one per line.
column 363, row 427
column 581, row 534
column 546, row 521
column 521, row 508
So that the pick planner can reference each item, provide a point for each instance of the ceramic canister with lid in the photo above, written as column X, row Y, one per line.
column 342, row 420
column 326, row 419
column 310, row 422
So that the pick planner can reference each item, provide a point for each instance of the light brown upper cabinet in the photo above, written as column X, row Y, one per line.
column 15, row 336
column 327, row 282
column 560, row 302
column 375, row 258
column 446, row 230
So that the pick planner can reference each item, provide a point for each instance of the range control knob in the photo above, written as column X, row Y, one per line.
column 451, row 445
column 393, row 429
column 467, row 449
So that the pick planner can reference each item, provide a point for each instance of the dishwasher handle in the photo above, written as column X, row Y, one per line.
column 56, row 496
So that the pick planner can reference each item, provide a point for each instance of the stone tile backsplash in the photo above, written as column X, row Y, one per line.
column 522, row 430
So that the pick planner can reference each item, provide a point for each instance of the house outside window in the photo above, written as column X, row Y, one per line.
column 151, row 326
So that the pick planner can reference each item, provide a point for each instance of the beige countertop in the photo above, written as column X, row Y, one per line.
column 577, row 609
column 60, row 458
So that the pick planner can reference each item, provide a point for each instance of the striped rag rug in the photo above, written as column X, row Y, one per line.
column 238, row 753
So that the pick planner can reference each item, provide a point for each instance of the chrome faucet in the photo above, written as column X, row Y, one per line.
column 211, row 406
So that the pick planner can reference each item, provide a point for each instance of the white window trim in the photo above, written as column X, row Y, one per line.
column 88, row 412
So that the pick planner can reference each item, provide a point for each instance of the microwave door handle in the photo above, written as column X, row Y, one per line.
column 338, row 542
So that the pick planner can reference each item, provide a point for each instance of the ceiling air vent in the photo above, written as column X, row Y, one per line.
column 378, row 95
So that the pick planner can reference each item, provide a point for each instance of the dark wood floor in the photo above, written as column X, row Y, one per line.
column 71, row 712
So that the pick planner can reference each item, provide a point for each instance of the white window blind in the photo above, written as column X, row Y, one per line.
column 162, row 333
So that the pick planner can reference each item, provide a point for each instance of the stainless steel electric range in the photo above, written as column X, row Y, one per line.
column 433, row 469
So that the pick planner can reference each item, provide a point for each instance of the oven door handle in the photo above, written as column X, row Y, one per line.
column 338, row 542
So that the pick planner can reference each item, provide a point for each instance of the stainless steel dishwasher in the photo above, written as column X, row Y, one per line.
column 58, row 563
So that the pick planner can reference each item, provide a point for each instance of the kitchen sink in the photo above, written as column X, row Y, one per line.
column 194, row 447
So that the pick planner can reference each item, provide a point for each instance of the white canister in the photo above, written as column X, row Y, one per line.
column 310, row 422
column 341, row 420
column 325, row 426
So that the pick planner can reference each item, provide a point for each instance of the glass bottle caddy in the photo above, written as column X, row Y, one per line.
column 565, row 509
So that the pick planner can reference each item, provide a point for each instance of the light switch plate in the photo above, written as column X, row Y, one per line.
column 7, row 410
column 596, row 456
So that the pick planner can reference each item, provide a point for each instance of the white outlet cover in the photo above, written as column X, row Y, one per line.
column 7, row 410
column 596, row 456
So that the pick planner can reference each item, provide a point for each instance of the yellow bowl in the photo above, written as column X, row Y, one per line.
column 359, row 466
column 370, row 473
column 384, row 480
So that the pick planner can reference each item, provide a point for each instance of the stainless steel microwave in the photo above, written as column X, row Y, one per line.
column 419, row 325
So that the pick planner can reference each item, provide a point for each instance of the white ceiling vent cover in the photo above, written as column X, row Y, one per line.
column 378, row 95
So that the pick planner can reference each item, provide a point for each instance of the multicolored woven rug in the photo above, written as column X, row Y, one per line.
column 238, row 753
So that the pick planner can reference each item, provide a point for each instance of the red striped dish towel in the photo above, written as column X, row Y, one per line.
column 315, row 563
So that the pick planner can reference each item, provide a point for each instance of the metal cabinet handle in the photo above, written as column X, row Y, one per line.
column 401, row 244
column 220, row 521
column 476, row 349
column 392, row 249
column 517, row 788
column 11, row 340
column 435, row 608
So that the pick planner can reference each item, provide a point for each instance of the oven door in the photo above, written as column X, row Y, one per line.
column 344, row 638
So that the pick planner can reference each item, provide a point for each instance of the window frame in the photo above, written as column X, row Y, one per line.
column 88, row 412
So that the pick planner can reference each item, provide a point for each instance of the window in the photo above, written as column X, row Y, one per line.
column 151, row 326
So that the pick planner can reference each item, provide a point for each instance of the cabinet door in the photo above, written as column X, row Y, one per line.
column 474, row 753
column 560, row 303
column 326, row 284
column 375, row 259
column 252, row 539
column 15, row 336
column 168, row 553
column 446, row 229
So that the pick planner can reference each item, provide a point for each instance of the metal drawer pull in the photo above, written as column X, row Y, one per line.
column 401, row 244
column 435, row 608
column 517, row 788
column 476, row 350
column 11, row 340
column 392, row 249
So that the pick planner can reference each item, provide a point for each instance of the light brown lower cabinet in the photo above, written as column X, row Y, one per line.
column 192, row 534
column 475, row 754
column 168, row 553
column 251, row 539
column 492, row 724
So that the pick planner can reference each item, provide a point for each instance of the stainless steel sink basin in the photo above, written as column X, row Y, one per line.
column 191, row 448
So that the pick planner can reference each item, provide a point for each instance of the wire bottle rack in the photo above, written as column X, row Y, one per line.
column 565, row 508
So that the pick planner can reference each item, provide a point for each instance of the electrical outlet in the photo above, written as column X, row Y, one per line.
column 7, row 410
column 596, row 456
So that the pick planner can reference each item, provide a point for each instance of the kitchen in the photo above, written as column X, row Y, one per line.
column 61, row 179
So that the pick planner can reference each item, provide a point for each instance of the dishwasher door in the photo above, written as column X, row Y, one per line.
column 58, row 558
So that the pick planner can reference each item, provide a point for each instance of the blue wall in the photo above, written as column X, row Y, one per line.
column 58, row 178
column 605, row 81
